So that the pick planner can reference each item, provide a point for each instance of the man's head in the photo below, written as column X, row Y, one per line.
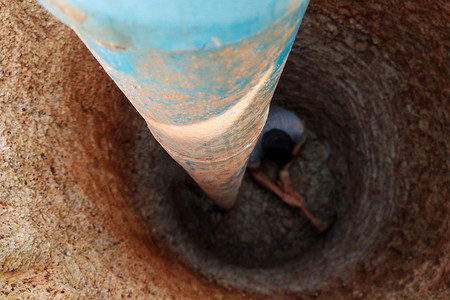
column 277, row 146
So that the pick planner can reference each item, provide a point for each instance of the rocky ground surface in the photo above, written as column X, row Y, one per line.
column 261, row 230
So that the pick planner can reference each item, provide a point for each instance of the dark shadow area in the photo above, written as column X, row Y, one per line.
column 345, row 171
column 360, row 164
column 365, row 163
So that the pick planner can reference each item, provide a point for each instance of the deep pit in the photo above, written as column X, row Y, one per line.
column 354, row 168
column 345, row 172
column 109, row 214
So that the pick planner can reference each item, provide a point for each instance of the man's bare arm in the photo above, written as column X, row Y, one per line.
column 264, row 180
column 291, row 198
column 295, row 153
column 320, row 225
column 284, row 179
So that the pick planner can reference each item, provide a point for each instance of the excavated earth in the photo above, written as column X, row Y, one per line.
column 92, row 207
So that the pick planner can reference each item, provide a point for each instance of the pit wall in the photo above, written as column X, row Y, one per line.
column 378, row 74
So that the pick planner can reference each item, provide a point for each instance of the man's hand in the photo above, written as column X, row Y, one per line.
column 291, row 199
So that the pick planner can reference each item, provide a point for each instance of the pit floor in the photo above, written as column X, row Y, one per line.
column 261, row 231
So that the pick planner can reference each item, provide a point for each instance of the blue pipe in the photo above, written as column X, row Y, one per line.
column 201, row 73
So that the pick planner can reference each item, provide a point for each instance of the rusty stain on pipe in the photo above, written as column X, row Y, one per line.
column 69, row 10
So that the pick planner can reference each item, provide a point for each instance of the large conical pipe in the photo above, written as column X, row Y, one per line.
column 201, row 73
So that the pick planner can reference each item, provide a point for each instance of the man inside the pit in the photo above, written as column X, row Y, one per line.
column 280, row 142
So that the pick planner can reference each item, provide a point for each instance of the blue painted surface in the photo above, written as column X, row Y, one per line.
column 146, row 71
column 175, row 24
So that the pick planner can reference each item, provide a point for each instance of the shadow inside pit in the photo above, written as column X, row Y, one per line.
column 260, row 231
column 344, row 172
